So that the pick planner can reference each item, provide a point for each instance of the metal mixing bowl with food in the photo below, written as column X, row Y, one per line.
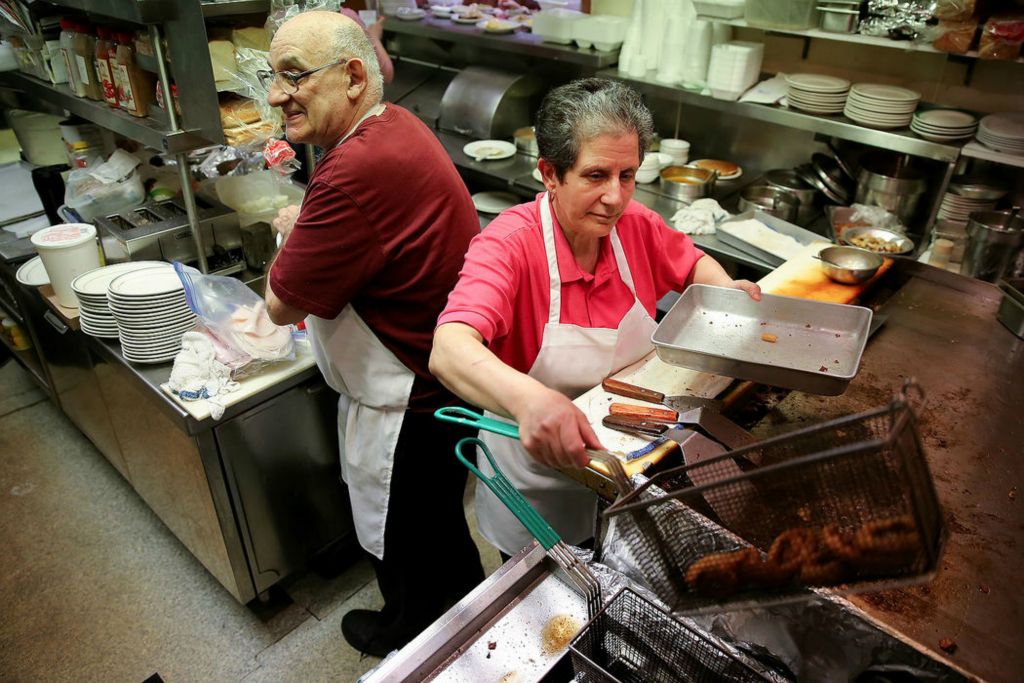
column 878, row 240
column 849, row 265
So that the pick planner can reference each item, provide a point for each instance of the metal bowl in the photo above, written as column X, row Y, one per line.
column 775, row 201
column 687, row 183
column 849, row 265
column 878, row 240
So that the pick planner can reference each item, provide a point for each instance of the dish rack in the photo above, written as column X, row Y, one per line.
column 848, row 504
column 631, row 639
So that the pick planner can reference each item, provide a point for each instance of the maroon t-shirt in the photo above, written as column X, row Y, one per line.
column 384, row 225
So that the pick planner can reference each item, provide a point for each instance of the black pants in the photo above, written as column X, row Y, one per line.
column 430, row 561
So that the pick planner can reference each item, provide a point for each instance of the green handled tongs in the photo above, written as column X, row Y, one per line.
column 578, row 575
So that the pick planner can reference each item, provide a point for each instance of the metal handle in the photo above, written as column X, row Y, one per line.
column 55, row 322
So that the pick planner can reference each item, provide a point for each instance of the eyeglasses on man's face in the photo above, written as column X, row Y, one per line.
column 289, row 81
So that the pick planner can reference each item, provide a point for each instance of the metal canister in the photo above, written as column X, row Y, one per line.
column 772, row 200
column 886, row 180
column 788, row 180
column 993, row 240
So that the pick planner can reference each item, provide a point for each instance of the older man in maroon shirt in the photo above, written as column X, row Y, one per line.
column 377, row 246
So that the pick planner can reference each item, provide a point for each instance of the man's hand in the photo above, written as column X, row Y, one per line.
column 752, row 289
column 285, row 220
column 554, row 431
column 376, row 29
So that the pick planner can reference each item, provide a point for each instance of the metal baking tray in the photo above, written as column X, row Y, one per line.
column 719, row 330
column 801, row 235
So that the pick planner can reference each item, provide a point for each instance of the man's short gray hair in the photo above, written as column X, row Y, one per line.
column 577, row 112
column 351, row 40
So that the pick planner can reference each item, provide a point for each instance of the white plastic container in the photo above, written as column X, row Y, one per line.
column 600, row 32
column 556, row 25
column 795, row 14
column 67, row 251
column 723, row 9
column 39, row 136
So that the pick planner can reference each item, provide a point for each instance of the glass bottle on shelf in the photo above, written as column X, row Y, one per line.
column 67, row 50
column 135, row 90
column 85, row 51
column 103, row 73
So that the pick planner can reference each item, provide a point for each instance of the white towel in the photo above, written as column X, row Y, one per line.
column 700, row 217
column 198, row 375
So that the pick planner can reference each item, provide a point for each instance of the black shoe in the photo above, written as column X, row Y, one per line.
column 363, row 630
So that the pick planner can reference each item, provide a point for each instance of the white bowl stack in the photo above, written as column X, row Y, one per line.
column 151, row 312
column 95, row 316
column 1003, row 132
column 817, row 94
column 944, row 125
column 881, row 106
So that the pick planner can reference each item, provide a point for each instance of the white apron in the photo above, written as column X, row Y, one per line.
column 572, row 359
column 374, row 387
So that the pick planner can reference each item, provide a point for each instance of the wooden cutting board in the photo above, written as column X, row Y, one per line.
column 801, row 276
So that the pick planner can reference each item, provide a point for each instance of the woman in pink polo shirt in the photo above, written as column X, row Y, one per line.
column 557, row 294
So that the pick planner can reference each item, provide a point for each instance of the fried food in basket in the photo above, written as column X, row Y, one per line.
column 809, row 557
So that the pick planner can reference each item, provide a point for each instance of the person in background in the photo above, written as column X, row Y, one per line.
column 376, row 247
column 376, row 34
column 558, row 294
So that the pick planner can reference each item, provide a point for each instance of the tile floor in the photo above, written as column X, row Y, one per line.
column 93, row 587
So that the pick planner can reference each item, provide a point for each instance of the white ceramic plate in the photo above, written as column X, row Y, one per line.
column 462, row 19
column 888, row 93
column 494, row 202
column 498, row 26
column 156, row 281
column 873, row 122
column 1008, row 125
column 882, row 108
column 489, row 150
column 536, row 174
column 816, row 100
column 732, row 176
column 818, row 82
column 410, row 14
column 947, row 118
column 32, row 273
column 94, row 283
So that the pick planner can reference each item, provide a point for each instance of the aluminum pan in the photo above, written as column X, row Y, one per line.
column 718, row 330
column 801, row 235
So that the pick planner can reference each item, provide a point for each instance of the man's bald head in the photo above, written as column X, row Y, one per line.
column 318, row 37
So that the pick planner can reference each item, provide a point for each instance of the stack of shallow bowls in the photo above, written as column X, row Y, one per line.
column 944, row 125
column 95, row 316
column 1003, row 132
column 881, row 106
column 817, row 94
column 151, row 312
column 967, row 195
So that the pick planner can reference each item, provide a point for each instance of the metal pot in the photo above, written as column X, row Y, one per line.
column 772, row 200
column 849, row 265
column 993, row 239
column 686, row 183
column 839, row 20
column 886, row 180
column 526, row 141
column 805, row 193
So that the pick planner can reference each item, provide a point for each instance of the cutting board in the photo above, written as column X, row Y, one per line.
column 801, row 276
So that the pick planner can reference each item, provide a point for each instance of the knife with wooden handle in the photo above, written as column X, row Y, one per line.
column 634, row 425
column 678, row 403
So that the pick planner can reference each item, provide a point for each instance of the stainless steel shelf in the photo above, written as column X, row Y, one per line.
column 147, row 131
column 231, row 7
column 520, row 42
column 976, row 150
column 137, row 11
column 834, row 126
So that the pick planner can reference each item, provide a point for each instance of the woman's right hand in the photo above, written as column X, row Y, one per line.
column 554, row 431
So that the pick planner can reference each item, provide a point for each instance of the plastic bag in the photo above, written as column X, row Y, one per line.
column 246, row 83
column 954, row 10
column 283, row 10
column 1002, row 36
column 107, row 188
column 237, row 317
column 954, row 37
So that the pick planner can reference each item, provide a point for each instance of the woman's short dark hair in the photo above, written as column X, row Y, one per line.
column 574, row 113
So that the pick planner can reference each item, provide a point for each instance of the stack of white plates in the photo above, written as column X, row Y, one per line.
column 817, row 94
column 151, row 313
column 881, row 106
column 957, row 208
column 1003, row 132
column 91, row 289
column 944, row 125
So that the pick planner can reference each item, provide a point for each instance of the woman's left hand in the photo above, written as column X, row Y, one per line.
column 752, row 289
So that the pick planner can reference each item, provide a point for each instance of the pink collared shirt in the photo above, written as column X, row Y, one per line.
column 503, row 288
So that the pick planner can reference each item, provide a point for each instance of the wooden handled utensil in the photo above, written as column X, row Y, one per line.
column 677, row 403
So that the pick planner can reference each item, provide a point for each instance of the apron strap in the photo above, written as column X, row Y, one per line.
column 620, row 261
column 554, row 279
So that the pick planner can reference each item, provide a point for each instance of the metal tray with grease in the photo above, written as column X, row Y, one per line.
column 817, row 346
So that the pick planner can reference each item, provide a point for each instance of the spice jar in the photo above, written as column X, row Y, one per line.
column 134, row 86
column 85, row 57
column 103, row 72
